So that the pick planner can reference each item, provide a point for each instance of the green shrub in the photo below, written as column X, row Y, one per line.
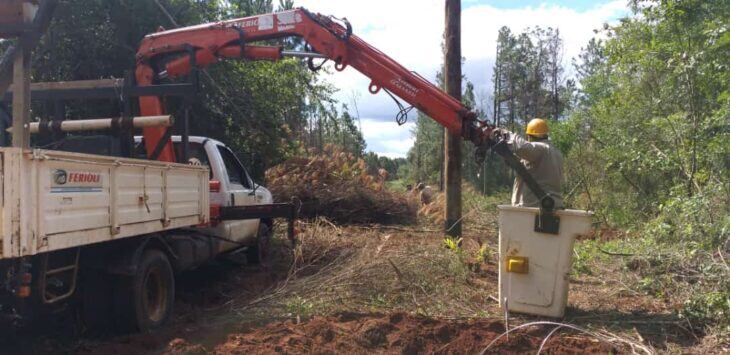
column 711, row 308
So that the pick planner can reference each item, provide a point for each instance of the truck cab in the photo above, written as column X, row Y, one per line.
column 230, row 185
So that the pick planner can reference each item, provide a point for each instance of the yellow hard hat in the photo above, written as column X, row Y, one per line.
column 537, row 127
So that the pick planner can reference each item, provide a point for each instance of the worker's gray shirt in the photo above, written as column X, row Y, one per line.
column 545, row 163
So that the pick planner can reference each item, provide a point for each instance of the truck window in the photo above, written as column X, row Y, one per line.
column 195, row 151
column 236, row 173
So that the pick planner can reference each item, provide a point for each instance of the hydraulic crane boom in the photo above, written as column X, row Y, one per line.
column 176, row 52
column 172, row 53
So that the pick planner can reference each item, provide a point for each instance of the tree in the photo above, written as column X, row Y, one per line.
column 650, row 145
column 653, row 104
column 376, row 162
column 529, row 77
column 255, row 107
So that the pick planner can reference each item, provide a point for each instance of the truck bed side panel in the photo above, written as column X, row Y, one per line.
column 56, row 200
column 134, row 185
column 183, row 191
column 74, row 197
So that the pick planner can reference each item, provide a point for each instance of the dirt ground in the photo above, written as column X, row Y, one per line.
column 373, row 289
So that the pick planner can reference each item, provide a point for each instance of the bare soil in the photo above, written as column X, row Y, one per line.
column 398, row 333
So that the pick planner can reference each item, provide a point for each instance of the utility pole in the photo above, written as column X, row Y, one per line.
column 452, row 143
column 442, row 161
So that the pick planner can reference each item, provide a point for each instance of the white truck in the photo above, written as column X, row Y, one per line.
column 114, row 232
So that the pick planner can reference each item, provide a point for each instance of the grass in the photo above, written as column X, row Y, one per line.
column 617, row 284
column 690, row 286
column 398, row 185
column 362, row 269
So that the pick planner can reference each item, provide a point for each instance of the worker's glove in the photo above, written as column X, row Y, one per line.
column 501, row 134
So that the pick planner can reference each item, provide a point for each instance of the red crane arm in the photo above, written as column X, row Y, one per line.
column 172, row 53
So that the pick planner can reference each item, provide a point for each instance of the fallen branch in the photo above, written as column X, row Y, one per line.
column 400, row 229
column 615, row 254
column 719, row 252
column 397, row 271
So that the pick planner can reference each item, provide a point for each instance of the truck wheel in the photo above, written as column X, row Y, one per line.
column 261, row 252
column 144, row 301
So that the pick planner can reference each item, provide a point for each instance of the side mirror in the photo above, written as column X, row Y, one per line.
column 255, row 187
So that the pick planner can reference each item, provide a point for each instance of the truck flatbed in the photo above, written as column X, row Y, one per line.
column 55, row 200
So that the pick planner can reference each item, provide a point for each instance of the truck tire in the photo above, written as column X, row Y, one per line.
column 260, row 254
column 144, row 301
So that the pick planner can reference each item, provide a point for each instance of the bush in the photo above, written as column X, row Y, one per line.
column 706, row 309
column 699, row 222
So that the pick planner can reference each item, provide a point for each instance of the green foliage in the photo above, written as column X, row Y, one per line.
column 700, row 221
column 528, row 77
column 482, row 254
column 398, row 185
column 648, row 146
column 653, row 114
column 564, row 134
column 453, row 244
column 425, row 158
column 708, row 308
column 298, row 306
column 392, row 166
column 584, row 253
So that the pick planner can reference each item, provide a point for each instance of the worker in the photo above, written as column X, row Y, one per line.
column 541, row 159
column 425, row 193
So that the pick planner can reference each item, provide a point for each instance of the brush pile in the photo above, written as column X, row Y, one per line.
column 336, row 185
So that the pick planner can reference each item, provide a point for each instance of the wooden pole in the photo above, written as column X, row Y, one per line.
column 28, row 41
column 442, row 161
column 452, row 143
column 21, row 98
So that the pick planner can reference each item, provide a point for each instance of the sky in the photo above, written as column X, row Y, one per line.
column 411, row 32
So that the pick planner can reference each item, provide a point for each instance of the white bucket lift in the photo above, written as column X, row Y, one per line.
column 535, row 260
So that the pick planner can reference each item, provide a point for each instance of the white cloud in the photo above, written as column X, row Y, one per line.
column 411, row 31
column 387, row 138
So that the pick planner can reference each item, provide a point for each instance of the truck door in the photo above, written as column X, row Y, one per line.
column 240, row 192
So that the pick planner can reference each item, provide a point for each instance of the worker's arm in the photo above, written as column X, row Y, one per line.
column 525, row 150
